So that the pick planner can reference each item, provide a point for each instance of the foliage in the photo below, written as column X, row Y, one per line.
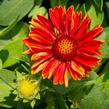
column 89, row 93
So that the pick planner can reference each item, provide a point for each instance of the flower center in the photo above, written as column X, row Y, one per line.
column 64, row 48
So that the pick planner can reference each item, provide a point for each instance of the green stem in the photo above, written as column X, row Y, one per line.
column 61, row 102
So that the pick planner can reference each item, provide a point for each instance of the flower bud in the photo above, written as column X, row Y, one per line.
column 28, row 88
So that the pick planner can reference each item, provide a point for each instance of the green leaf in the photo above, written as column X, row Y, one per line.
column 106, row 88
column 3, row 43
column 94, row 13
column 53, row 3
column 7, row 75
column 5, row 105
column 105, row 74
column 38, row 2
column 96, row 99
column 6, row 80
column 83, row 9
column 11, row 53
column 105, row 38
column 38, row 11
column 99, row 3
column 7, row 29
column 0, row 64
column 10, row 9
column 75, row 3
column 62, row 2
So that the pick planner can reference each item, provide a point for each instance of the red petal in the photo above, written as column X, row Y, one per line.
column 69, row 20
column 95, row 32
column 66, row 78
column 58, row 75
column 40, row 55
column 75, row 75
column 42, row 33
column 91, row 47
column 83, row 28
column 34, row 46
column 39, row 68
column 91, row 43
column 76, row 20
column 47, row 72
column 57, row 16
column 78, row 68
column 86, row 60
column 43, row 23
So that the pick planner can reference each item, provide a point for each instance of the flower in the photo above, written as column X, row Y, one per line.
column 63, row 45
column 28, row 88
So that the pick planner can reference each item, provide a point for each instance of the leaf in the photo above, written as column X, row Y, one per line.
column 0, row 64
column 53, row 3
column 75, row 3
column 83, row 9
column 94, row 13
column 3, row 43
column 62, row 2
column 7, row 77
column 7, row 29
column 5, row 90
column 106, row 88
column 96, row 99
column 38, row 11
column 10, row 9
column 38, row 2
column 105, row 37
column 99, row 3
column 11, row 53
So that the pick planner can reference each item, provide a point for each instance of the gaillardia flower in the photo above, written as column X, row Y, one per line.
column 63, row 45
column 28, row 88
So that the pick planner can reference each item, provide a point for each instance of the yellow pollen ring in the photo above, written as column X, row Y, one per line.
column 65, row 46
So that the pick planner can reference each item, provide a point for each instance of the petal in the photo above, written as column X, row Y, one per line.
column 91, row 43
column 42, row 33
column 95, row 32
column 58, row 75
column 86, row 60
column 44, row 24
column 47, row 72
column 66, row 78
column 36, row 64
column 75, row 75
column 83, row 27
column 40, row 55
column 39, row 39
column 35, row 46
column 57, row 16
column 27, row 52
column 91, row 47
column 77, row 68
column 69, row 19
column 76, row 20
column 39, row 68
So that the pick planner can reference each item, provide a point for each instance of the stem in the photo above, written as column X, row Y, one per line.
column 61, row 102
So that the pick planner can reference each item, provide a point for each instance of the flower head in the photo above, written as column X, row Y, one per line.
column 63, row 45
column 28, row 88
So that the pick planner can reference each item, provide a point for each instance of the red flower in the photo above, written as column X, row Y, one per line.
column 63, row 45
